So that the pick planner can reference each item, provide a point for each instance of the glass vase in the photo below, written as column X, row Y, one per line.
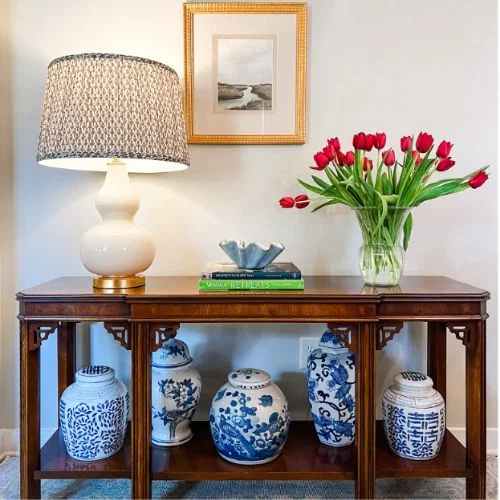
column 382, row 257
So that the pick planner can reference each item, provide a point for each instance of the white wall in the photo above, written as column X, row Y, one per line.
column 385, row 65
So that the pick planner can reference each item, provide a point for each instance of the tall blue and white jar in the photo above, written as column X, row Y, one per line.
column 93, row 413
column 249, row 418
column 176, row 388
column 414, row 416
column 331, row 380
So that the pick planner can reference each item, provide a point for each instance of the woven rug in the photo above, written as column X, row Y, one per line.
column 120, row 488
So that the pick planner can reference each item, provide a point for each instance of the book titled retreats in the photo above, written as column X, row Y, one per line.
column 214, row 285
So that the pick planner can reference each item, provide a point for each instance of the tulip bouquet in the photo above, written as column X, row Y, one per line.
column 382, row 191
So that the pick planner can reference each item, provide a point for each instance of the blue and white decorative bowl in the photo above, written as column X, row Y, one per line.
column 331, row 380
column 414, row 416
column 93, row 413
column 252, row 255
column 249, row 418
column 176, row 388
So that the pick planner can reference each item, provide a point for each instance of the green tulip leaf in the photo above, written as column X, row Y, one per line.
column 313, row 189
column 407, row 228
column 320, row 182
column 331, row 202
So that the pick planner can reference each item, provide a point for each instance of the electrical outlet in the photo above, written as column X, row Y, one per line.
column 307, row 345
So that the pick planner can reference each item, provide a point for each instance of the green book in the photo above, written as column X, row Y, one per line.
column 253, row 284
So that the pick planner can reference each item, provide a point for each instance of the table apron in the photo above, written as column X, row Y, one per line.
column 251, row 312
column 432, row 309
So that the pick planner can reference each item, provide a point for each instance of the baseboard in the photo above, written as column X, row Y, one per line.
column 9, row 442
column 9, row 439
column 491, row 438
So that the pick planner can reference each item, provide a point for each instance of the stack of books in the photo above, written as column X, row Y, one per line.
column 276, row 276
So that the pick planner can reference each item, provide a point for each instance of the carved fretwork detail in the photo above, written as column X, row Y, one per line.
column 161, row 332
column 120, row 332
column 463, row 332
column 343, row 333
column 386, row 332
column 39, row 332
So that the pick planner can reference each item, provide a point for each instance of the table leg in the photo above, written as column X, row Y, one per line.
column 30, row 414
column 365, row 348
column 475, row 375
column 437, row 333
column 65, row 356
column 141, row 410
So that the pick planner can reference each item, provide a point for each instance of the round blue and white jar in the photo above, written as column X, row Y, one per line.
column 176, row 388
column 414, row 416
column 249, row 418
column 93, row 413
column 331, row 380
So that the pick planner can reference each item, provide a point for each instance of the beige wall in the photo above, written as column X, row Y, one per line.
column 8, row 336
column 386, row 65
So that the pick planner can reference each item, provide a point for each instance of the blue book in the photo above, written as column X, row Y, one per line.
column 274, row 271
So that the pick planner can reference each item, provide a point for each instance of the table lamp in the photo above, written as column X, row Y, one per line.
column 117, row 114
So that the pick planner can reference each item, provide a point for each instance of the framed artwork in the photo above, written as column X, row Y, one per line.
column 245, row 72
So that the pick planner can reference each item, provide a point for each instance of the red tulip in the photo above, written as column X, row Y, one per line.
column 329, row 152
column 416, row 157
column 370, row 139
column 478, row 180
column 287, row 202
column 340, row 158
column 389, row 157
column 301, row 201
column 424, row 142
column 380, row 139
column 349, row 158
column 359, row 140
column 444, row 149
column 367, row 164
column 321, row 160
column 405, row 143
column 334, row 143
column 445, row 164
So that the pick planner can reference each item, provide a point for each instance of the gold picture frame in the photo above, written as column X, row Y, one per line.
column 245, row 112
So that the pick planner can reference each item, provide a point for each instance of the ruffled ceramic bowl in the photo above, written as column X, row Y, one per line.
column 252, row 255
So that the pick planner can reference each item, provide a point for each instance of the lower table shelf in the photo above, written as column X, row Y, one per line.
column 303, row 458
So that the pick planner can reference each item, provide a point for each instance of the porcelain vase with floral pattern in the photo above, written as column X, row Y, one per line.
column 331, row 390
column 414, row 416
column 249, row 418
column 93, row 413
column 176, row 387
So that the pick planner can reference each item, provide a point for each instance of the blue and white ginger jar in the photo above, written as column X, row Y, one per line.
column 414, row 416
column 176, row 388
column 331, row 380
column 93, row 413
column 249, row 418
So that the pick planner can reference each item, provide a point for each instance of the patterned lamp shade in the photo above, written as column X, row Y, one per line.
column 103, row 106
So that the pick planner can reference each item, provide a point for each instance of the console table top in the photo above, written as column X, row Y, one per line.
column 315, row 286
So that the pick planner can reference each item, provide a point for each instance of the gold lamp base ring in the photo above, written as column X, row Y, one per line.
column 119, row 282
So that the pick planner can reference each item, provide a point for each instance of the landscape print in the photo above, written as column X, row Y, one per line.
column 245, row 70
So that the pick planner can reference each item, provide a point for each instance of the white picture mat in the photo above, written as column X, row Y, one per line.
column 282, row 121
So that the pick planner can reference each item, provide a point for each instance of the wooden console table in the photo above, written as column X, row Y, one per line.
column 366, row 319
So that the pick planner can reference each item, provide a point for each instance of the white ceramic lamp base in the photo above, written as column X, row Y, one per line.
column 117, row 250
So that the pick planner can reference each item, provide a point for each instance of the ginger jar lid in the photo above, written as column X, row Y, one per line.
column 172, row 354
column 249, row 378
column 95, row 373
column 413, row 381
column 331, row 342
